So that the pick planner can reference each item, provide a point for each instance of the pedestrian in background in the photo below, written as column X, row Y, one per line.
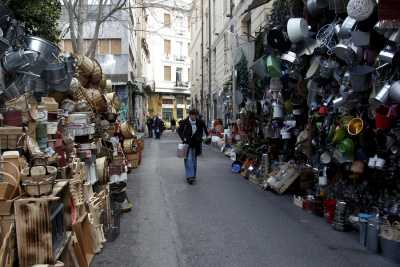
column 173, row 124
column 191, row 132
column 157, row 126
column 149, row 124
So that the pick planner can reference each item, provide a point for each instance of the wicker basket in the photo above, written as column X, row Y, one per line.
column 127, row 130
column 129, row 146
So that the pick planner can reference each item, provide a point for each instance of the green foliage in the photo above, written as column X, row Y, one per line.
column 40, row 16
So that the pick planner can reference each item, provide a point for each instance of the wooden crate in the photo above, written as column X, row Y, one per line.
column 34, row 234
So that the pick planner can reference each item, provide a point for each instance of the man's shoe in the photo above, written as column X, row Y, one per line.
column 190, row 180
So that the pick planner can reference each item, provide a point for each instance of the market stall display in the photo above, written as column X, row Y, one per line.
column 320, row 113
column 65, row 154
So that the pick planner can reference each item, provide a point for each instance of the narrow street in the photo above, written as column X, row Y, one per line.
column 224, row 220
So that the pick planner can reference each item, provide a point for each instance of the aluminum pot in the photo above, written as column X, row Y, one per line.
column 297, row 29
column 345, row 53
column 15, row 89
column 18, row 60
column 55, row 73
column 278, row 39
column 37, row 85
column 394, row 93
column 383, row 95
column 347, row 27
column 359, row 77
column 48, row 52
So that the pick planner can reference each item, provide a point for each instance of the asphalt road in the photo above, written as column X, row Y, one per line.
column 223, row 220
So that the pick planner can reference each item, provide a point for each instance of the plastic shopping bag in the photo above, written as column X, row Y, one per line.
column 182, row 150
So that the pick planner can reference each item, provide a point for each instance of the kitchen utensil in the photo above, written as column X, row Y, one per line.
column 55, row 73
column 345, row 53
column 360, row 38
column 277, row 38
column 290, row 57
column 48, row 52
column 297, row 29
column 68, row 105
column 315, row 7
column 383, row 95
column 325, row 158
column 355, row 126
column 359, row 76
column 394, row 93
column 15, row 89
column 347, row 28
column 18, row 59
column 37, row 85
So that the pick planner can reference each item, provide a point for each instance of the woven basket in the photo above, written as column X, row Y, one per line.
column 129, row 146
column 360, row 9
column 127, row 130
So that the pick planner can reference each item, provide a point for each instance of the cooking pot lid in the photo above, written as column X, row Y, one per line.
column 278, row 39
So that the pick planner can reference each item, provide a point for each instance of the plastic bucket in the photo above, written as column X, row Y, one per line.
column 382, row 118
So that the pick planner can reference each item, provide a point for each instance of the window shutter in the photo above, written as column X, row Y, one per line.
column 116, row 46
column 167, row 73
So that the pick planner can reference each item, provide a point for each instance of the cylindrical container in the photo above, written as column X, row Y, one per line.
column 363, row 222
column 373, row 235
column 382, row 118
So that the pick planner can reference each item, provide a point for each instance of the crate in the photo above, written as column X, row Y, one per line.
column 9, row 137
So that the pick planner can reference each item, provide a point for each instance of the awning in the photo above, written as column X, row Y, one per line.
column 255, row 4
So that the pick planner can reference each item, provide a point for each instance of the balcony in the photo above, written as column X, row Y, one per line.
column 180, row 84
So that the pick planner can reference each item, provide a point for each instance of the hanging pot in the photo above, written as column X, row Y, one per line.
column 314, row 67
column 48, row 52
column 297, row 29
column 347, row 28
column 315, row 7
column 359, row 77
column 394, row 93
column 36, row 85
column 360, row 38
column 383, row 95
column 278, row 39
column 345, row 53
column 19, row 59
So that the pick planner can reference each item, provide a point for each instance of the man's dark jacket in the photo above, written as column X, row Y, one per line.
column 193, row 140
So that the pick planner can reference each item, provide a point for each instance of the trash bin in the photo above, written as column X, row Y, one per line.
column 363, row 222
column 373, row 234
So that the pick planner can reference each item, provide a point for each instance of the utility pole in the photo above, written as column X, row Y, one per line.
column 202, row 57
column 209, row 64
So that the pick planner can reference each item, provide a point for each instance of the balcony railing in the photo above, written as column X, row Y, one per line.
column 180, row 58
column 182, row 84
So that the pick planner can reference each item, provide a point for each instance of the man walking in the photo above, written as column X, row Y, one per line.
column 173, row 124
column 157, row 126
column 149, row 124
column 191, row 132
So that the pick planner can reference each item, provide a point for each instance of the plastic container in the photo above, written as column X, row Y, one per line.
column 363, row 222
column 372, row 242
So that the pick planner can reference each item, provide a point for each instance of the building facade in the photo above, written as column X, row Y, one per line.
column 167, row 70
column 222, row 32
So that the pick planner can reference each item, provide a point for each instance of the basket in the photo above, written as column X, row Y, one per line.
column 100, row 104
column 101, row 169
column 127, row 130
column 80, row 130
column 38, row 173
column 38, row 188
column 129, row 146
column 7, row 190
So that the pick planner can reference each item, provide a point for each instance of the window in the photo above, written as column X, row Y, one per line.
column 179, row 113
column 116, row 46
column 178, row 76
column 167, row 20
column 167, row 73
column 180, row 100
column 179, row 52
column 167, row 47
column 167, row 114
column 68, row 46
column 168, row 101
column 179, row 22
column 104, row 46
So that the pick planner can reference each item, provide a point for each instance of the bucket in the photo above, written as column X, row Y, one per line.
column 382, row 118
column 329, row 210
column 363, row 222
column 372, row 242
column 390, row 249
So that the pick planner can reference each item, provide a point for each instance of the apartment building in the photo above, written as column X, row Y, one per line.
column 222, row 31
column 168, row 68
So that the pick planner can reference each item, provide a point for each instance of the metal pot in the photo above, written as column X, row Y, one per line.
column 394, row 93
column 297, row 29
column 15, row 89
column 359, row 77
column 37, row 85
column 48, row 52
column 314, row 7
column 68, row 105
column 18, row 59
column 383, row 95
column 278, row 39
column 55, row 73
column 345, row 53
column 360, row 38
column 290, row 57
column 347, row 27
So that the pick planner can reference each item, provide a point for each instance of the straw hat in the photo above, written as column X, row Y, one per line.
column 360, row 9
